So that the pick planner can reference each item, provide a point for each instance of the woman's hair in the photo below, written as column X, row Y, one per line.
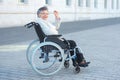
column 41, row 9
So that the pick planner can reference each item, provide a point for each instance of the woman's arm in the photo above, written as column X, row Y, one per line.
column 57, row 19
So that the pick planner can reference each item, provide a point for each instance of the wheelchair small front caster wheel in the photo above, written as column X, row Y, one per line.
column 77, row 69
column 66, row 64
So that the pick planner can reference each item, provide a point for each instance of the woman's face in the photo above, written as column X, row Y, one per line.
column 44, row 14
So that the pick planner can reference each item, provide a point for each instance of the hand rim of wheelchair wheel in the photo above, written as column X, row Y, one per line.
column 42, row 44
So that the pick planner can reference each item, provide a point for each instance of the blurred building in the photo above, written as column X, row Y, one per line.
column 20, row 12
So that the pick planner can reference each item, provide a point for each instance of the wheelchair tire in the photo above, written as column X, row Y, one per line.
column 77, row 69
column 48, row 66
column 66, row 64
column 30, row 48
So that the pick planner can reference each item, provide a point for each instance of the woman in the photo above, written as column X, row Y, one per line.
column 50, row 29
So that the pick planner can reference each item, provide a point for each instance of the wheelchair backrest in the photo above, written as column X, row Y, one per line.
column 41, row 35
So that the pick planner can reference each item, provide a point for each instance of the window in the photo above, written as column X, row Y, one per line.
column 23, row 1
column 117, row 2
column 49, row 2
column 80, row 3
column 87, row 3
column 105, row 4
column 95, row 3
column 112, row 4
column 68, row 2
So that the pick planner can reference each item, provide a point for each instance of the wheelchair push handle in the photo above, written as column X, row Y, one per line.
column 29, row 25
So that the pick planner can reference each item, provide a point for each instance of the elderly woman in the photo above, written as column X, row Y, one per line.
column 50, row 29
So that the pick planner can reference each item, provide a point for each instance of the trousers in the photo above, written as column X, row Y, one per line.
column 79, row 55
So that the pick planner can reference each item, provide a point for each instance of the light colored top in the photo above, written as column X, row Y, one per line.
column 47, row 27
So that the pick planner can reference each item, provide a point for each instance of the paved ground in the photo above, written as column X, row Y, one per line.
column 101, row 46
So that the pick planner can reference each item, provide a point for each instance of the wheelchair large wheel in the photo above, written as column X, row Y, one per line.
column 30, row 48
column 47, row 58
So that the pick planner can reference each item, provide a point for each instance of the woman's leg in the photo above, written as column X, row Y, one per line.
column 80, row 58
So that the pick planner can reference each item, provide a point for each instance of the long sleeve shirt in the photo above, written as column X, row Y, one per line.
column 48, row 28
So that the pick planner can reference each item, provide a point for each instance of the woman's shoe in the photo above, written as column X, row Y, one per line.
column 84, row 63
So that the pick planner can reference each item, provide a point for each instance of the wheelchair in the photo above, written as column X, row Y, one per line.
column 48, row 53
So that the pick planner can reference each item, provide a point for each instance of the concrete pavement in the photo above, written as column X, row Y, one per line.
column 101, row 46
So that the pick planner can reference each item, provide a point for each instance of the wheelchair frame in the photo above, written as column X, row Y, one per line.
column 35, row 48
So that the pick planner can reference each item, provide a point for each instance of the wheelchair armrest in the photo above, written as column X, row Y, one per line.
column 53, row 35
column 29, row 25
